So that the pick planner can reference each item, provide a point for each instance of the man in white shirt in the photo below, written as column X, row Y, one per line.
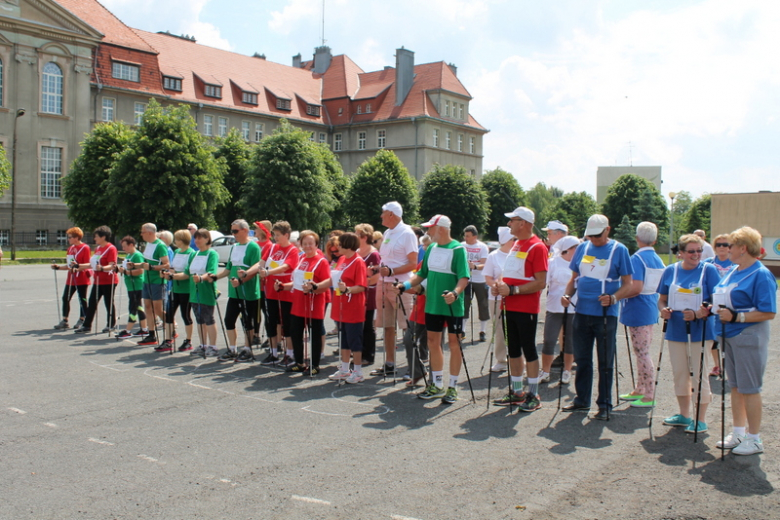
column 707, row 251
column 399, row 258
column 555, row 230
column 477, row 253
column 492, row 271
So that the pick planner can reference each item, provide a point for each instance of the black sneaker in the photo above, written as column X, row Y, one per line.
column 385, row 371
column 185, row 346
column 62, row 325
column 245, row 356
column 124, row 334
column 482, row 337
column 228, row 355
column 270, row 360
column 82, row 330
column 141, row 333
column 313, row 372
column 296, row 368
column 165, row 346
column 150, row 339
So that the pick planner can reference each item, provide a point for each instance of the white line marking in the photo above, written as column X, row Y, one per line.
column 98, row 441
column 399, row 517
column 268, row 400
column 50, row 424
column 109, row 367
column 17, row 410
column 311, row 500
column 164, row 378
column 199, row 386
column 150, row 459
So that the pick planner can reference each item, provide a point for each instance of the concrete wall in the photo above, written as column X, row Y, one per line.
column 606, row 175
column 757, row 210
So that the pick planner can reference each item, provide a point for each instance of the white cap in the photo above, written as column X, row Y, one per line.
column 596, row 225
column 556, row 225
column 522, row 212
column 395, row 208
column 567, row 242
column 438, row 220
column 504, row 235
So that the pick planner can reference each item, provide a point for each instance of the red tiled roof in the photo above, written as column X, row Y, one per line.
column 341, row 79
column 114, row 31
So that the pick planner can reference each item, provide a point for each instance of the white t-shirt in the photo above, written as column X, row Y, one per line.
column 476, row 253
column 558, row 276
column 396, row 246
column 493, row 265
column 707, row 251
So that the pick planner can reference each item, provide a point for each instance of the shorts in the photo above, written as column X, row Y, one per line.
column 204, row 314
column 521, row 335
column 152, row 292
column 437, row 322
column 390, row 311
column 746, row 356
column 233, row 312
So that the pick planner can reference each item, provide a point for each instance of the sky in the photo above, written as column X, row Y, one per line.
column 563, row 86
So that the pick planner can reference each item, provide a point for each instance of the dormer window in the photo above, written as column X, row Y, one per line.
column 368, row 108
column 213, row 91
column 313, row 110
column 126, row 71
column 283, row 104
column 360, row 109
column 171, row 83
column 250, row 98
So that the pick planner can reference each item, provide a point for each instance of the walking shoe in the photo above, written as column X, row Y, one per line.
column 386, row 370
column 431, row 392
column 165, row 346
column 413, row 382
column 677, row 420
column 450, row 396
column 715, row 372
column 630, row 397
column 498, row 367
column 245, row 356
column 185, row 346
column 602, row 414
column 339, row 375
column 124, row 334
column 702, row 427
column 748, row 447
column 287, row 361
column 510, row 399
column 353, row 378
column 311, row 372
column 79, row 323
column 150, row 339
column 544, row 377
column 200, row 351
column 638, row 403
column 211, row 352
column 574, row 406
column 296, row 368
column 141, row 333
column 106, row 330
column 731, row 441
column 406, row 377
column 82, row 330
column 270, row 359
column 228, row 355
column 62, row 325
column 531, row 403
column 482, row 337
column 566, row 377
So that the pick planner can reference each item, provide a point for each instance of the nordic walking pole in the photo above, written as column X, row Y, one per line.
column 701, row 371
column 57, row 294
column 492, row 339
column 462, row 356
column 112, row 309
column 563, row 339
column 471, row 310
column 508, row 361
column 657, row 376
column 201, row 330
column 630, row 361
column 221, row 321
column 722, row 354
column 604, row 346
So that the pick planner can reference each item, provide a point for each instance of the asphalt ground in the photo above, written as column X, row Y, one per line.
column 95, row 428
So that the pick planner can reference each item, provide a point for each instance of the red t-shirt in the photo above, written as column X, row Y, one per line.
column 535, row 261
column 80, row 254
column 275, row 256
column 107, row 255
column 302, row 305
column 350, row 308
column 419, row 309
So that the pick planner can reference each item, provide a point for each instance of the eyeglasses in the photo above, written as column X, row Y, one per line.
column 694, row 252
column 722, row 244
column 234, row 231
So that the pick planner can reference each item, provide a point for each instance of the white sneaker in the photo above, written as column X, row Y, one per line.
column 340, row 375
column 354, row 377
column 730, row 442
column 211, row 352
column 498, row 367
column 544, row 377
column 566, row 377
column 748, row 447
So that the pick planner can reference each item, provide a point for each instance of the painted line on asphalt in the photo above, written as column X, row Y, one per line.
column 50, row 424
column 17, row 410
column 109, row 366
column 399, row 517
column 310, row 500
column 98, row 441
column 149, row 459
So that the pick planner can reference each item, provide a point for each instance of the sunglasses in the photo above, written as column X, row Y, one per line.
column 234, row 231
column 722, row 244
column 694, row 252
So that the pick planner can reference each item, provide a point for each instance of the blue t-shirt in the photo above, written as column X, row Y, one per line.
column 754, row 287
column 689, row 279
column 589, row 289
column 642, row 309
column 722, row 266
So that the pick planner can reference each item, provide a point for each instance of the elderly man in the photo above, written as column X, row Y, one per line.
column 601, row 268
column 445, row 267
column 192, row 229
column 477, row 252
column 555, row 230
column 155, row 260
column 399, row 258
column 707, row 251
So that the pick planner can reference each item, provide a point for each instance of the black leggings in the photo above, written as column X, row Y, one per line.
column 178, row 301
column 233, row 312
column 272, row 308
column 68, row 293
column 521, row 335
column 105, row 292
column 298, row 324
column 135, row 308
column 369, row 337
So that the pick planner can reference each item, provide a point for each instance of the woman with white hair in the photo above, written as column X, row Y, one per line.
column 640, row 312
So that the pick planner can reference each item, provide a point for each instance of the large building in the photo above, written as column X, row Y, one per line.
column 606, row 175
column 71, row 64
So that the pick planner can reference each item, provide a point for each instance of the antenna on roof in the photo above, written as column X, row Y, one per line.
column 323, row 23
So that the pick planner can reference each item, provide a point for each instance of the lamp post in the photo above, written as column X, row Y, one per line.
column 19, row 113
column 672, row 195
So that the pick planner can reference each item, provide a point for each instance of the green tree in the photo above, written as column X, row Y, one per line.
column 651, row 207
column 540, row 197
column 625, row 234
column 5, row 172
column 234, row 150
column 503, row 194
column 573, row 209
column 88, row 179
column 698, row 216
column 450, row 190
column 339, row 183
column 287, row 180
column 381, row 179
column 623, row 198
column 166, row 174
column 682, row 203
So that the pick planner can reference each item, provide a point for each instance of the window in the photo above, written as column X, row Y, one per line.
column 259, row 131
column 311, row 137
column 138, row 112
column 381, row 138
column 5, row 237
column 222, row 128
column 41, row 237
column 51, row 172
column 447, row 108
column 435, row 137
column 250, row 98
column 213, row 91
column 460, row 142
column 170, row 83
column 51, row 91
column 361, row 140
column 472, row 145
column 1, row 83
column 245, row 130
column 62, row 237
column 323, row 137
column 313, row 110
column 360, row 109
column 448, row 141
column 283, row 104
column 108, row 109
column 208, row 125
column 337, row 143
column 368, row 108
column 125, row 71
column 461, row 111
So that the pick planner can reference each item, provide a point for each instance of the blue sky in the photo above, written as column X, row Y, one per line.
column 563, row 86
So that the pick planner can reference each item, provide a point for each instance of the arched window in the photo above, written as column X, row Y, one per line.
column 51, row 91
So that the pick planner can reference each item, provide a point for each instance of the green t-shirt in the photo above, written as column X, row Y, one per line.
column 243, row 257
column 135, row 283
column 181, row 260
column 203, row 262
column 443, row 266
column 154, row 252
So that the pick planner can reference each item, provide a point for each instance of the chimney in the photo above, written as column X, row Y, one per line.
column 258, row 55
column 322, row 57
column 404, row 74
column 297, row 61
column 453, row 68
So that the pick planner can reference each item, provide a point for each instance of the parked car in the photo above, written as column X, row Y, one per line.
column 222, row 246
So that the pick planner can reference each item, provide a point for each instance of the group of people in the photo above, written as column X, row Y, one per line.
column 424, row 285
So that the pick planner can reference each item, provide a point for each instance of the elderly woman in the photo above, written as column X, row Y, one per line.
column 102, row 265
column 722, row 262
column 370, row 256
column 78, row 281
column 640, row 312
column 684, row 288
column 745, row 300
